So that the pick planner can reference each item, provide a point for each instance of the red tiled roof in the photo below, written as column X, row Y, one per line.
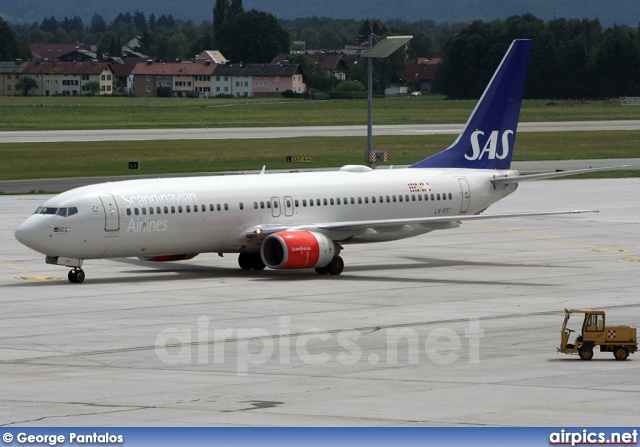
column 67, row 68
column 51, row 51
column 122, row 70
column 330, row 61
column 420, row 72
column 174, row 69
column 326, row 61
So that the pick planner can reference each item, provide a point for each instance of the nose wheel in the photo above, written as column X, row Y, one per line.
column 76, row 275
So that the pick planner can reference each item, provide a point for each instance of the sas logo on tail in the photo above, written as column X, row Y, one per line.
column 491, row 149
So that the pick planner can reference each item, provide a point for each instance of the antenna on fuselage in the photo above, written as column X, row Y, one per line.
column 264, row 168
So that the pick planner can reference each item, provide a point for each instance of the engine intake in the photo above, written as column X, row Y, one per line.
column 297, row 250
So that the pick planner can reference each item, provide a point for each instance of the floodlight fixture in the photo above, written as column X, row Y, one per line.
column 385, row 48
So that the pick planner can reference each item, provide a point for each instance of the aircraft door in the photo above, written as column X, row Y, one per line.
column 111, row 214
column 466, row 195
column 275, row 207
column 288, row 206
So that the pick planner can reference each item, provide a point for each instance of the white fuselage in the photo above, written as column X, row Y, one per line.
column 139, row 218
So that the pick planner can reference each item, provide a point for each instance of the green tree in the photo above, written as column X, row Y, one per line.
column 26, row 84
column 470, row 58
column 252, row 37
column 204, row 41
column 350, row 86
column 49, row 24
column 235, row 9
column 163, row 92
column 617, row 65
column 177, row 47
column 98, row 25
column 223, row 11
column 317, row 78
column 61, row 36
column 140, row 21
column 220, row 9
column 109, row 45
column 93, row 87
column 11, row 48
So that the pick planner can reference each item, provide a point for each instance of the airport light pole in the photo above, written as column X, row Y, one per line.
column 385, row 48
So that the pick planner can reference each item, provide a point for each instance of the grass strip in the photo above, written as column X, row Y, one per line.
column 88, row 159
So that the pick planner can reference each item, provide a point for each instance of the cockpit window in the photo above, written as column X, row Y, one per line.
column 63, row 212
column 45, row 210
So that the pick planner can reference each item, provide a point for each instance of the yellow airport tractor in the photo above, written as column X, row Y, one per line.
column 621, row 340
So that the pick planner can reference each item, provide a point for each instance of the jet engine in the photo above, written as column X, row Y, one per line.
column 297, row 250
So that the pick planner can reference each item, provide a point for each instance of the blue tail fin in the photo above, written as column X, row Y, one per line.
column 487, row 139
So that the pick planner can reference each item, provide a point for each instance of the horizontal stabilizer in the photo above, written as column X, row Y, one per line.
column 546, row 175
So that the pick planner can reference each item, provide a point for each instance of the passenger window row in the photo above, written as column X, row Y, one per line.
column 173, row 209
column 269, row 204
column 375, row 199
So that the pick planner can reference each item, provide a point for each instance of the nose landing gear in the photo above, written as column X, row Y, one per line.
column 76, row 274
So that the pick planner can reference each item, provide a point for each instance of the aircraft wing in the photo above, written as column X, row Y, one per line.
column 532, row 177
column 437, row 221
column 258, row 232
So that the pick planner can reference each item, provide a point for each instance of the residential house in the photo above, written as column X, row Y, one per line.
column 273, row 79
column 231, row 80
column 78, row 55
column 131, row 51
column 50, row 51
column 123, row 77
column 419, row 74
column 181, row 78
column 333, row 62
column 10, row 73
column 69, row 78
column 265, row 80
column 64, row 52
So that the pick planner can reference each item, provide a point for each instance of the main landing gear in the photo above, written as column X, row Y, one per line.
column 251, row 261
column 335, row 267
column 76, row 275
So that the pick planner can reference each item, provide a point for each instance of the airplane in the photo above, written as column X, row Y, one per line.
column 296, row 220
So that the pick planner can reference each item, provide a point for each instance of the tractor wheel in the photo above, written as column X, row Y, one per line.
column 621, row 353
column 585, row 354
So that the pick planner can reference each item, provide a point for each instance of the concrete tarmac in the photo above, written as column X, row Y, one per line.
column 453, row 328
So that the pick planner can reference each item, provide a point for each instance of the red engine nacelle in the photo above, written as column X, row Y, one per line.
column 297, row 250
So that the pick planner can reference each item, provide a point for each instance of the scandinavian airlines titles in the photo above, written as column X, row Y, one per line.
column 490, row 148
column 159, row 199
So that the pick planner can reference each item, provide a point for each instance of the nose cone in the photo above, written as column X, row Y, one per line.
column 31, row 233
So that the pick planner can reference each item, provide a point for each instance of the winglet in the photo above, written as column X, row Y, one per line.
column 487, row 140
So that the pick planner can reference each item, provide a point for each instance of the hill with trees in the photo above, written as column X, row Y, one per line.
column 570, row 58
column 610, row 12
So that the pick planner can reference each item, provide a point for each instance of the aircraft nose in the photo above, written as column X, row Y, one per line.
column 30, row 233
